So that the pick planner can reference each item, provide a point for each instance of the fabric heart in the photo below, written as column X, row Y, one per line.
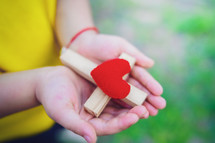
column 108, row 77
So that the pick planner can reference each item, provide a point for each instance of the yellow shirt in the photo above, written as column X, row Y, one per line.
column 27, row 41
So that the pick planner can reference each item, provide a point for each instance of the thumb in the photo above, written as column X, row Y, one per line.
column 72, row 121
column 142, row 60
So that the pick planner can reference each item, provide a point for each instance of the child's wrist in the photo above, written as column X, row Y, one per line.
column 83, row 35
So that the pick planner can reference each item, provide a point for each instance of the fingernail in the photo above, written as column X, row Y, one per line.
column 151, row 61
column 148, row 62
column 144, row 114
column 87, row 138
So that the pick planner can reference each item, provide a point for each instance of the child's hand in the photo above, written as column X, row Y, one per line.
column 63, row 93
column 99, row 48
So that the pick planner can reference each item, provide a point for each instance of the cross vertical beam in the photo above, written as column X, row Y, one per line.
column 95, row 104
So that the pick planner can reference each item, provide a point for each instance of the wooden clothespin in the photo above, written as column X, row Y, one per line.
column 98, row 100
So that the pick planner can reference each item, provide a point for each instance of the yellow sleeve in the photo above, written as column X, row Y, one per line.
column 27, row 41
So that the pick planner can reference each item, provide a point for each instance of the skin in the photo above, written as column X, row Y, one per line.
column 63, row 93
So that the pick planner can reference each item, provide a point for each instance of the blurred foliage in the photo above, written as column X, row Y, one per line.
column 188, row 81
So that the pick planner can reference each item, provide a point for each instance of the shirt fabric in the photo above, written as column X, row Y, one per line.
column 27, row 41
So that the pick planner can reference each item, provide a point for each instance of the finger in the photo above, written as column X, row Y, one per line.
column 85, row 115
column 137, row 84
column 142, row 60
column 125, row 119
column 157, row 101
column 71, row 120
column 61, row 105
column 147, row 80
column 115, row 125
column 141, row 111
column 152, row 110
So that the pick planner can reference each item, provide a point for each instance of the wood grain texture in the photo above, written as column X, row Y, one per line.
column 98, row 100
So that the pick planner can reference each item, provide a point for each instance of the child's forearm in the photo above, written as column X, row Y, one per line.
column 17, row 91
column 71, row 17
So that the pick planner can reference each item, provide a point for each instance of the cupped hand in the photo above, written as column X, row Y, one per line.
column 63, row 93
column 100, row 47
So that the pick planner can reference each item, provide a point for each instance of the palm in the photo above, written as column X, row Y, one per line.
column 113, row 119
column 100, row 48
column 63, row 93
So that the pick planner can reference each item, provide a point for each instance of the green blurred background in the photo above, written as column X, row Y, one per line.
column 180, row 36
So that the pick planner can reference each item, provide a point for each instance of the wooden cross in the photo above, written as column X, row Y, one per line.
column 98, row 100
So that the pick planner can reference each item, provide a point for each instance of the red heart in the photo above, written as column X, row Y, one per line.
column 108, row 76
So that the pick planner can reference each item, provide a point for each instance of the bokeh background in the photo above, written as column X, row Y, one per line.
column 180, row 36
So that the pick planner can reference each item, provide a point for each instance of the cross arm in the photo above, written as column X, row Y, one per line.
column 83, row 67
